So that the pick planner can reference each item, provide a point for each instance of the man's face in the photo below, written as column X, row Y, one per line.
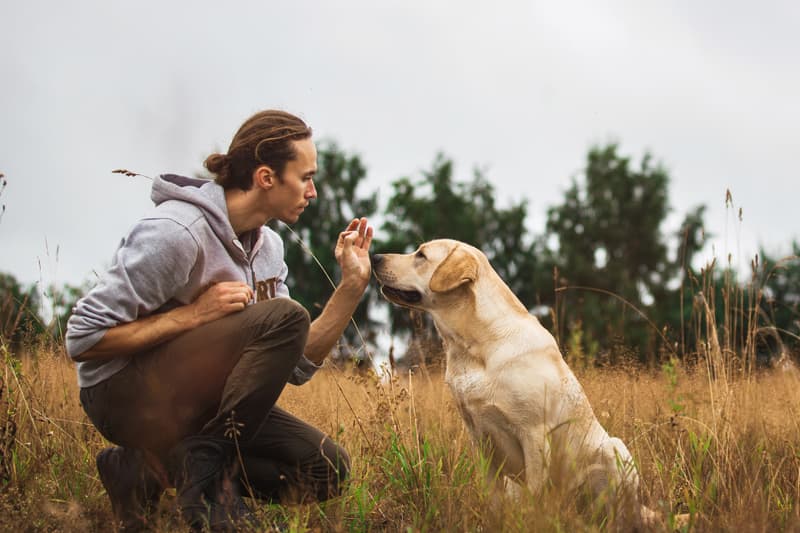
column 291, row 195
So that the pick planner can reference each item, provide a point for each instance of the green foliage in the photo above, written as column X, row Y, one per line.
column 675, row 400
column 781, row 304
column 425, row 477
column 8, row 415
column 575, row 353
column 609, row 242
column 19, row 316
column 21, row 321
column 62, row 300
column 361, row 505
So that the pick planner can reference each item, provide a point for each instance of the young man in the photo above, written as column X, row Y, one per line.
column 186, row 343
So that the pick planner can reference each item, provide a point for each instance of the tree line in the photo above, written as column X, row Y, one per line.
column 604, row 276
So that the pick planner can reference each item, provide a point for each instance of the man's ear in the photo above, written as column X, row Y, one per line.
column 263, row 177
column 458, row 268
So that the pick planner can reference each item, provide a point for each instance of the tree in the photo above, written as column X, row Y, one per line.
column 62, row 301
column 781, row 305
column 611, row 253
column 19, row 316
column 437, row 206
column 310, row 243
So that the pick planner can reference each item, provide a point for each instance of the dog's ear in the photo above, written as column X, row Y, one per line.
column 458, row 268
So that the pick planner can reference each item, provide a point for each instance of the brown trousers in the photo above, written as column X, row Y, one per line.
column 223, row 380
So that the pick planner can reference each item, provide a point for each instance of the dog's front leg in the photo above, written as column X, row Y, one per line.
column 536, row 449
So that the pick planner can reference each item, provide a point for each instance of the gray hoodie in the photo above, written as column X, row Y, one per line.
column 184, row 245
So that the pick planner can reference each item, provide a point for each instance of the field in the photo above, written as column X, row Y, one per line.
column 726, row 450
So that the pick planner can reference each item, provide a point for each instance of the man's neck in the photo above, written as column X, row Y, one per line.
column 242, row 211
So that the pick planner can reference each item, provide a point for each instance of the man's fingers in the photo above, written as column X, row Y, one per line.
column 349, row 238
column 358, row 233
column 368, row 238
column 234, row 291
column 357, row 224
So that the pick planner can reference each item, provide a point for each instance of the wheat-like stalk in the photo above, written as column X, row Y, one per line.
column 129, row 173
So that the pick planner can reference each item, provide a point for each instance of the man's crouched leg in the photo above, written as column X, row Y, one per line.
column 291, row 461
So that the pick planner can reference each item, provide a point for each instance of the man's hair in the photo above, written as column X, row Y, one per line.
column 264, row 139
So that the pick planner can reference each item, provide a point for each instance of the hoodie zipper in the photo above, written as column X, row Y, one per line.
column 253, row 277
column 253, row 253
column 249, row 262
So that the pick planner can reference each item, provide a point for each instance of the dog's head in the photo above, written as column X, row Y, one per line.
column 423, row 278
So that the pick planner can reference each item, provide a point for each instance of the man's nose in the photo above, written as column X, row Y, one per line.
column 311, row 191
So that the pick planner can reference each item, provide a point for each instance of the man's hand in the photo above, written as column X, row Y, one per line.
column 220, row 300
column 352, row 254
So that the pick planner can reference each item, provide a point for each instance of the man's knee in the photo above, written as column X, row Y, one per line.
column 280, row 318
column 285, row 313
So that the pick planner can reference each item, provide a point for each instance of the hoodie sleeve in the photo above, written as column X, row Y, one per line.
column 303, row 372
column 150, row 265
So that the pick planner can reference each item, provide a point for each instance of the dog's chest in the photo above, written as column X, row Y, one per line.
column 468, row 380
column 467, row 383
column 471, row 392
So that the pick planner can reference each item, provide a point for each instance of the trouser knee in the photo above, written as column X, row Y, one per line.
column 287, row 316
column 297, row 318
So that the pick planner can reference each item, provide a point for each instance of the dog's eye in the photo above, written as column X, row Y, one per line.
column 420, row 255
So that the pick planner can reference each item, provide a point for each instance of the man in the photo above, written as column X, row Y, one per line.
column 188, row 340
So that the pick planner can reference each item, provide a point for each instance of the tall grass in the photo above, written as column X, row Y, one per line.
column 725, row 450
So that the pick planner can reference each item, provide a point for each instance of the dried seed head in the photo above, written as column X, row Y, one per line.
column 129, row 173
column 124, row 171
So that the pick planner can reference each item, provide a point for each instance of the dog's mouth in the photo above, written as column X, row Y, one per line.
column 401, row 296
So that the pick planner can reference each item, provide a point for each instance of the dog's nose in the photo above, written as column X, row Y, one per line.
column 375, row 260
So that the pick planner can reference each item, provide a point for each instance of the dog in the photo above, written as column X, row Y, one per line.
column 511, row 385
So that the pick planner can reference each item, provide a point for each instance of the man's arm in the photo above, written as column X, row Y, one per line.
column 132, row 337
column 352, row 254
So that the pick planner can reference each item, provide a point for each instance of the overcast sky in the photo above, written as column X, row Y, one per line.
column 521, row 89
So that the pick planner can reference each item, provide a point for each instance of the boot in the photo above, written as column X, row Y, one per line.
column 205, row 477
column 133, row 489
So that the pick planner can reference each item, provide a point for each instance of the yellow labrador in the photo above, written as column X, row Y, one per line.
column 510, row 382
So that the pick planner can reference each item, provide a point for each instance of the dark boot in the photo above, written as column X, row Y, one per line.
column 133, row 489
column 206, row 482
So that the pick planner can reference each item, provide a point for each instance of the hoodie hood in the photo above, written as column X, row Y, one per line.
column 203, row 194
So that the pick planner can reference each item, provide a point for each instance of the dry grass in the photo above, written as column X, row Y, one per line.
column 726, row 451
